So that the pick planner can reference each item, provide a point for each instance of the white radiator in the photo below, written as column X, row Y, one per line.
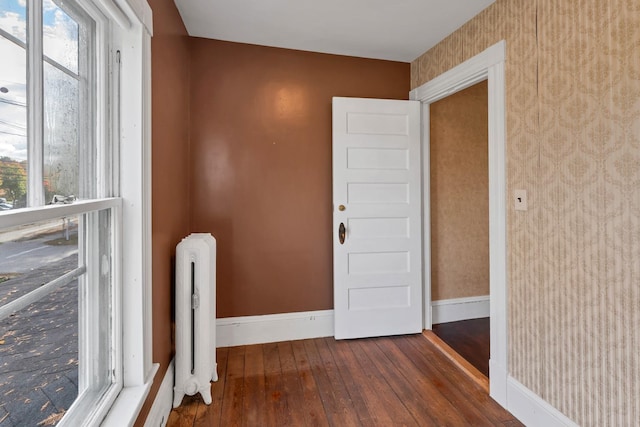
column 195, row 361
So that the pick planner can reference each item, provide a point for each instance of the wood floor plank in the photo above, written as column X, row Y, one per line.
column 395, row 381
column 232, row 406
column 330, row 388
column 460, row 362
column 474, row 394
column 254, row 405
column 361, row 390
column 276, row 411
column 209, row 416
column 414, row 348
column 293, row 394
column 392, row 373
column 344, row 385
column 440, row 409
column 314, row 411
column 183, row 415
column 470, row 339
column 382, row 397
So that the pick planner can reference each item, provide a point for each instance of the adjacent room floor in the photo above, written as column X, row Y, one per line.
column 470, row 339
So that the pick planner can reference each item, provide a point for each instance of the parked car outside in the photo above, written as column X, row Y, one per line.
column 4, row 205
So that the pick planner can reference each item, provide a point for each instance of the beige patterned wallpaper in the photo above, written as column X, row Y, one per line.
column 459, row 168
column 573, row 141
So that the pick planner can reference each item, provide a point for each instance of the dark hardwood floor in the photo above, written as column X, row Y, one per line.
column 470, row 339
column 393, row 381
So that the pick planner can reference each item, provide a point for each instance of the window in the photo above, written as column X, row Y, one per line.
column 74, row 244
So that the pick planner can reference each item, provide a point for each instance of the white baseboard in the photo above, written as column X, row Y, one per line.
column 454, row 310
column 498, row 383
column 161, row 407
column 248, row 330
column 531, row 409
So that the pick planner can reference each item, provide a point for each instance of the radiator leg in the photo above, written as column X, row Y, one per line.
column 205, row 392
column 177, row 397
column 214, row 376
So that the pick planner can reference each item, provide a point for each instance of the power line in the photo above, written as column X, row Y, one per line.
column 12, row 82
column 13, row 125
column 12, row 102
column 11, row 133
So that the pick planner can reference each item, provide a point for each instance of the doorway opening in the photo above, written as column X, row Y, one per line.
column 488, row 65
column 459, row 201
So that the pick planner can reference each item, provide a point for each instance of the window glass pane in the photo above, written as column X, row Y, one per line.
column 13, row 125
column 39, row 354
column 60, row 36
column 61, row 129
column 13, row 18
column 34, row 254
column 39, row 362
column 96, row 307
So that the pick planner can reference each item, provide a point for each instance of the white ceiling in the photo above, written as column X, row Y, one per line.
column 397, row 30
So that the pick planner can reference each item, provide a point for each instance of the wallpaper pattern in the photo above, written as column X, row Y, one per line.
column 573, row 142
column 459, row 180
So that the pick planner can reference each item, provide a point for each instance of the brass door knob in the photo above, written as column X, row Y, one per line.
column 341, row 208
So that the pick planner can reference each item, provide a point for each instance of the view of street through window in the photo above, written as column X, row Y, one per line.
column 38, row 344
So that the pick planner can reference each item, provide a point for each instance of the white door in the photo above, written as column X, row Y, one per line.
column 377, row 244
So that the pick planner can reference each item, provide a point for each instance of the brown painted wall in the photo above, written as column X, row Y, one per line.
column 460, row 194
column 170, row 178
column 261, row 167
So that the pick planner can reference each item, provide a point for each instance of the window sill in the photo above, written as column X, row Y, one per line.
column 127, row 406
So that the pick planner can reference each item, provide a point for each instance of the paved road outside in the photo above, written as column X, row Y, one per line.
column 39, row 344
column 20, row 257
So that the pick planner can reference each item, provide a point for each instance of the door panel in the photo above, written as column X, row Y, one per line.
column 376, row 178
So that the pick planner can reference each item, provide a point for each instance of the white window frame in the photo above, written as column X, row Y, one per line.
column 84, row 410
column 135, row 20
column 129, row 40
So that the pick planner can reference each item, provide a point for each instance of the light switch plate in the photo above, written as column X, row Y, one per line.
column 520, row 200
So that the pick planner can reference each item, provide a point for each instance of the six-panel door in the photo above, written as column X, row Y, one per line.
column 377, row 245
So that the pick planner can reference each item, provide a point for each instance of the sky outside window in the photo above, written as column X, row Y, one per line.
column 13, row 18
column 60, row 36
column 13, row 80
column 60, row 43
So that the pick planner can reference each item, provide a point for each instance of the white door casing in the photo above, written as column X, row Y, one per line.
column 488, row 65
column 377, row 179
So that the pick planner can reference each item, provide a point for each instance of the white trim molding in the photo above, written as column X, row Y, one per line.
column 488, row 65
column 127, row 406
column 18, row 217
column 531, row 409
column 232, row 331
column 142, row 11
column 134, row 137
column 456, row 309
column 162, row 404
column 498, row 219
column 468, row 73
